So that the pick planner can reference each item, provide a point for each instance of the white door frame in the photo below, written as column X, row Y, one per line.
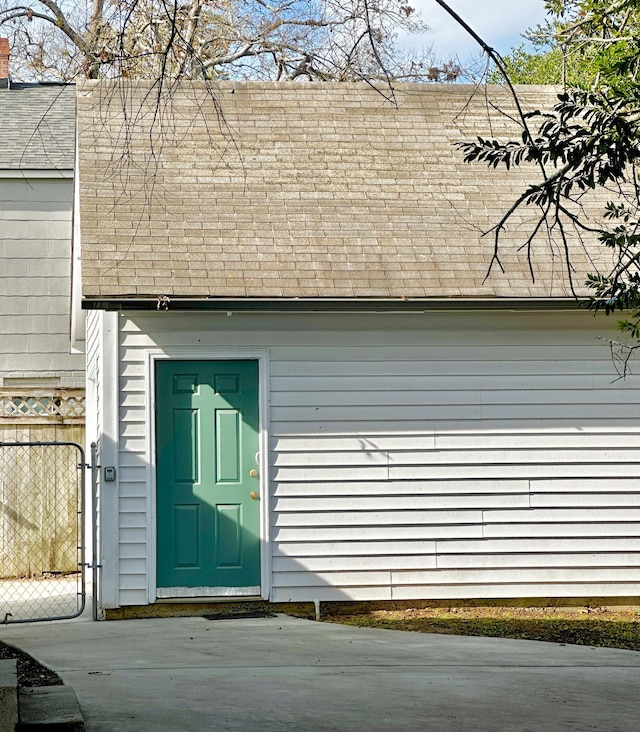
column 207, row 353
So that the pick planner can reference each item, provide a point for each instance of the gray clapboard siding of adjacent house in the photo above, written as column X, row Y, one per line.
column 37, row 152
column 41, row 381
column 463, row 439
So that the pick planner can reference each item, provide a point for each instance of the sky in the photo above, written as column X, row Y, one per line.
column 498, row 22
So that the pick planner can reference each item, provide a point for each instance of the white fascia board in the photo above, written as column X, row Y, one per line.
column 66, row 173
column 77, row 321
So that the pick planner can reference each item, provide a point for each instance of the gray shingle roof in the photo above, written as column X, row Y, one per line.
column 38, row 127
column 300, row 191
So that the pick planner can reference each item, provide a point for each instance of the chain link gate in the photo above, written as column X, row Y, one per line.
column 42, row 496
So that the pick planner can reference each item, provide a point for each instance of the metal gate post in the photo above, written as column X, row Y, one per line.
column 82, row 529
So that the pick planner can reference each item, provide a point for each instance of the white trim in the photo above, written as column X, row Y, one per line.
column 166, row 593
column 206, row 353
column 78, row 318
column 109, row 456
column 66, row 173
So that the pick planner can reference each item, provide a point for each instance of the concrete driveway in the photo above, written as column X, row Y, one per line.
column 277, row 674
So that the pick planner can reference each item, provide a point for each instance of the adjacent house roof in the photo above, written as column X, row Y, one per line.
column 301, row 191
column 38, row 127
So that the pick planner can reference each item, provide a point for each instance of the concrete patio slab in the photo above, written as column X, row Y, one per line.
column 280, row 674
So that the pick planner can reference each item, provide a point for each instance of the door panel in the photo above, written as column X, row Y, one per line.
column 228, row 445
column 206, row 441
column 186, row 523
column 228, row 535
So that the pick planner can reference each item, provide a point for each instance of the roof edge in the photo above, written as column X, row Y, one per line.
column 361, row 304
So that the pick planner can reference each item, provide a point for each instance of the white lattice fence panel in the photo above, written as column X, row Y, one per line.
column 59, row 406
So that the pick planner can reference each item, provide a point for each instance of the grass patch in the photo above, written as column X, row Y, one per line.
column 585, row 627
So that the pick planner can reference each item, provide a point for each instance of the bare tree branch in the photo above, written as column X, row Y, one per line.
column 215, row 39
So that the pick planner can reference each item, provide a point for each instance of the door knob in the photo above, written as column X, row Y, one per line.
column 254, row 495
column 253, row 473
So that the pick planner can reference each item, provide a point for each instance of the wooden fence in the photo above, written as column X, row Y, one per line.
column 40, row 485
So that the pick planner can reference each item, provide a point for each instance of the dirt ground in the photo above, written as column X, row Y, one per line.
column 613, row 627
column 30, row 672
column 623, row 613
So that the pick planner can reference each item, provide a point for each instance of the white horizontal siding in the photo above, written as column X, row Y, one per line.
column 421, row 456
column 561, row 546
column 513, row 470
column 396, row 504
column 582, row 500
column 553, row 438
column 515, row 589
column 337, row 414
column 297, row 534
column 451, row 470
column 378, row 518
column 614, row 560
column 600, row 485
column 574, row 528
column 407, row 368
column 330, row 593
column 562, row 515
column 364, row 548
column 132, row 596
column 303, row 400
column 529, row 574
column 291, row 385
column 439, row 488
column 354, row 563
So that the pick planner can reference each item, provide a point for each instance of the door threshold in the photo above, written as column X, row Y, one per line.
column 205, row 600
column 200, row 591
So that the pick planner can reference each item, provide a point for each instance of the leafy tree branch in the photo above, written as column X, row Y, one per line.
column 586, row 149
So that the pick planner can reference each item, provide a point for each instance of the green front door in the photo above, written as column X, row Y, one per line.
column 208, row 517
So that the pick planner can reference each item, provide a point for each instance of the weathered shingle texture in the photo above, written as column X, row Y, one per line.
column 301, row 191
column 38, row 127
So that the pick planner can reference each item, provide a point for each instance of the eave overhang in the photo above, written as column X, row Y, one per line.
column 295, row 304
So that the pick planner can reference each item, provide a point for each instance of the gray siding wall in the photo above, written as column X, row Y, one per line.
column 35, row 268
column 443, row 455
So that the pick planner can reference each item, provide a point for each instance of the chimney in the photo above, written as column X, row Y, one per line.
column 4, row 63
